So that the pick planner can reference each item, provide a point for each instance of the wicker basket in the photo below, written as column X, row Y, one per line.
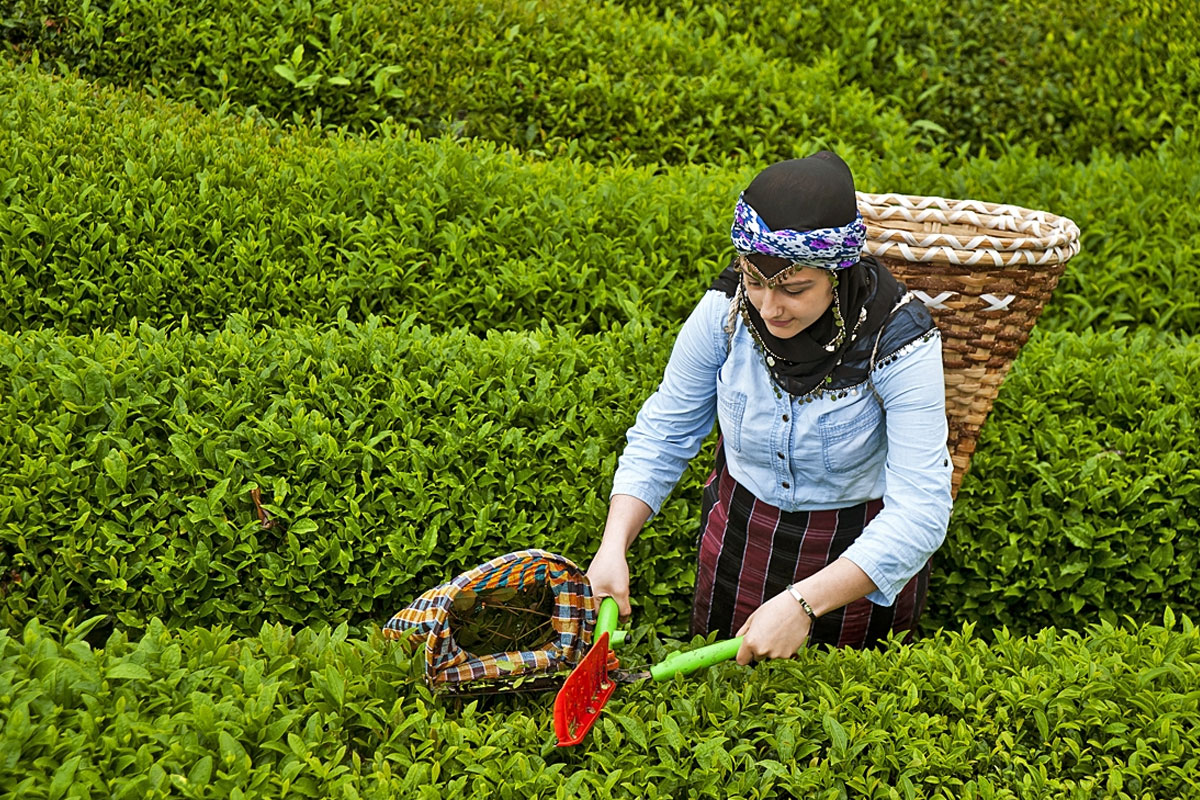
column 984, row 271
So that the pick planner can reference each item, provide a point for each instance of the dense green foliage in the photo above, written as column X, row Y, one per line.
column 394, row 458
column 552, row 77
column 404, row 273
column 391, row 458
column 194, row 714
column 1081, row 499
column 677, row 82
column 1072, row 77
column 115, row 207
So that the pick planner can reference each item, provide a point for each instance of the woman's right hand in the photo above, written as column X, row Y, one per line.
column 609, row 571
column 609, row 576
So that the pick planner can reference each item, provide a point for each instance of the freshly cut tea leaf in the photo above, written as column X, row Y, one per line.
column 464, row 600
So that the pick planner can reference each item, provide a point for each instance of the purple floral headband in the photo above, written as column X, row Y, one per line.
column 824, row 248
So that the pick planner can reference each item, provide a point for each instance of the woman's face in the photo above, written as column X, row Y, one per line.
column 793, row 305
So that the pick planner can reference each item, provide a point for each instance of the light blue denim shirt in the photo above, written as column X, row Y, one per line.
column 824, row 454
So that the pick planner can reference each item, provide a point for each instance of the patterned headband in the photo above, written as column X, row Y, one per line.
column 824, row 248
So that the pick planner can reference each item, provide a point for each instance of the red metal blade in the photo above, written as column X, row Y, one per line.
column 584, row 693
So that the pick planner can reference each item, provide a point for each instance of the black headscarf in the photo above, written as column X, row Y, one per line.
column 806, row 194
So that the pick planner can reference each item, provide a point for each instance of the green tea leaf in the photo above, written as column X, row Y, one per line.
column 201, row 772
column 186, row 454
column 217, row 494
column 128, row 671
column 336, row 684
column 63, row 777
column 1043, row 724
column 116, row 466
column 232, row 752
column 836, row 733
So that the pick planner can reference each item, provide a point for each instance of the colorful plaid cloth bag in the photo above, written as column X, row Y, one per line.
column 521, row 614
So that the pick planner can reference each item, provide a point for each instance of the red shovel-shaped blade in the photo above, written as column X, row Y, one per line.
column 588, row 687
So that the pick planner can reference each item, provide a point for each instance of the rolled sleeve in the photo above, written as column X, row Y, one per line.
column 917, row 501
column 674, row 421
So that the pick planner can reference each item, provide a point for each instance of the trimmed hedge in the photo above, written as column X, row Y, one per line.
column 114, row 206
column 689, row 84
column 388, row 456
column 394, row 458
column 1068, row 78
column 1110, row 712
column 554, row 78
column 1083, row 497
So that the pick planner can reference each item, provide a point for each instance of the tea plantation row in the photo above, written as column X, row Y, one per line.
column 199, row 713
column 424, row 352
column 114, row 206
column 553, row 77
column 391, row 458
column 689, row 84
column 1072, row 77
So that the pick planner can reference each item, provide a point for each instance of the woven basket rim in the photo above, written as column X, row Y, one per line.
column 1002, row 234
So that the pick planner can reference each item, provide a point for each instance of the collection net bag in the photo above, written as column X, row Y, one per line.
column 519, row 616
column 984, row 271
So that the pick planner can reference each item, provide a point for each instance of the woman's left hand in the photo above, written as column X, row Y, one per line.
column 777, row 629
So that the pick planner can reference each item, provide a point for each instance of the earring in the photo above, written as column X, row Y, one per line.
column 838, row 322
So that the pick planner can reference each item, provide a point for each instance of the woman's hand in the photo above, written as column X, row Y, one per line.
column 609, row 571
column 609, row 575
column 776, row 629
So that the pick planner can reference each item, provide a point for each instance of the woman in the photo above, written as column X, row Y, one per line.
column 831, row 488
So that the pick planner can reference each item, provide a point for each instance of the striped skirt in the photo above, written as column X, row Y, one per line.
column 750, row 551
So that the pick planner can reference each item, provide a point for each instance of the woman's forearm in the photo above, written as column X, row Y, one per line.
column 626, row 516
column 836, row 585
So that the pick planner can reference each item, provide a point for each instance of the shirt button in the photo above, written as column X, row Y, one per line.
column 785, row 417
column 779, row 454
column 786, row 485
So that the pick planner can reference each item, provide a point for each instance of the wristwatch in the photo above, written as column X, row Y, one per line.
column 794, row 592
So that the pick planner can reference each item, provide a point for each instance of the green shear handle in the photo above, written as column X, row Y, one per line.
column 685, row 663
column 679, row 662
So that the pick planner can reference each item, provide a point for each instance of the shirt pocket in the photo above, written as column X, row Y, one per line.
column 731, row 407
column 851, row 437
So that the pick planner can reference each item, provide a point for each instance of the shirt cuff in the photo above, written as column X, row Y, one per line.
column 886, row 587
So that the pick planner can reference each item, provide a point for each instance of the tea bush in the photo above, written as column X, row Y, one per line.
column 392, row 458
column 314, row 713
column 1080, row 496
column 417, row 341
column 1068, row 78
column 114, row 206
column 387, row 455
column 671, row 83
column 551, row 77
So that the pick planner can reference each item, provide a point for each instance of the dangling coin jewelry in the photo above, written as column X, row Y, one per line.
column 838, row 322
